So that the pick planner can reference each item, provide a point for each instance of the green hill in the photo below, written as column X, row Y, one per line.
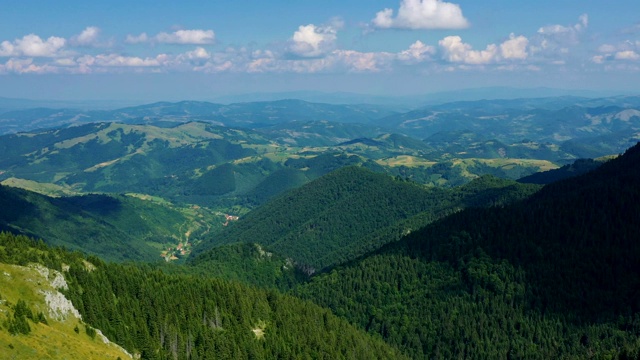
column 35, row 327
column 576, row 168
column 115, row 227
column 159, row 316
column 552, row 276
column 345, row 214
column 248, row 263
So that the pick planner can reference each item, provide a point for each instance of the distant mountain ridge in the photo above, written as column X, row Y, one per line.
column 254, row 114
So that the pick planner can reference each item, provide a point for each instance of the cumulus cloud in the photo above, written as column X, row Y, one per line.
column 25, row 66
column 180, row 37
column 187, row 37
column 137, row 39
column 627, row 55
column 458, row 52
column 417, row 52
column 625, row 51
column 564, row 35
column 32, row 46
column 364, row 61
column 422, row 14
column 198, row 53
column 515, row 47
column 116, row 60
column 88, row 37
column 313, row 41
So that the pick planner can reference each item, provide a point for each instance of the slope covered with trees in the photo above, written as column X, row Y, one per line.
column 553, row 276
column 352, row 211
column 114, row 227
column 161, row 316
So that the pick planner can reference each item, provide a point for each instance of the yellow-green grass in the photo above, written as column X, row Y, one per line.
column 406, row 160
column 57, row 340
column 463, row 164
column 508, row 163
column 48, row 189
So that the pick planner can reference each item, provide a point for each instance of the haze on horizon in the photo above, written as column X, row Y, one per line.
column 193, row 50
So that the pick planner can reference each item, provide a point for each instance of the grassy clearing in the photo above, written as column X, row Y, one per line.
column 405, row 160
column 48, row 189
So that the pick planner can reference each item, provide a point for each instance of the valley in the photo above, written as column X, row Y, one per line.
column 292, row 229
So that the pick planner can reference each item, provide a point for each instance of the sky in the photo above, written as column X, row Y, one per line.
column 180, row 50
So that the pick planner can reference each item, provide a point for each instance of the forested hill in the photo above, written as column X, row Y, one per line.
column 115, row 227
column 352, row 211
column 554, row 276
column 158, row 316
column 578, row 167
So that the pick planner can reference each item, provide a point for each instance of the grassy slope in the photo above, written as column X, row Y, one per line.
column 57, row 339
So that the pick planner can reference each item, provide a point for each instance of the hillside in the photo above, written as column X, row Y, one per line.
column 577, row 168
column 116, row 227
column 544, row 119
column 248, row 263
column 191, row 163
column 552, row 276
column 159, row 316
column 345, row 214
column 38, row 322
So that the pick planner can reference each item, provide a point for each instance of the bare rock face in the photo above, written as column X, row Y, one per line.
column 59, row 306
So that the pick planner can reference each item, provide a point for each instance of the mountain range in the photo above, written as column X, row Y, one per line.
column 291, row 229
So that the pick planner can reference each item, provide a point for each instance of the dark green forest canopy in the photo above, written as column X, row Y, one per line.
column 115, row 227
column 352, row 211
column 163, row 316
column 553, row 276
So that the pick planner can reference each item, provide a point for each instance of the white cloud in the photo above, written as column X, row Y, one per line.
column 422, row 14
column 565, row 34
column 625, row 51
column 115, row 60
column 137, row 39
column 627, row 55
column 583, row 22
column 458, row 52
column 198, row 53
column 88, row 37
column 417, row 52
column 32, row 46
column 313, row 41
column 25, row 66
column 188, row 37
column 364, row 62
column 515, row 47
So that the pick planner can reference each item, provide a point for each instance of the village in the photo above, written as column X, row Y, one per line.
column 184, row 248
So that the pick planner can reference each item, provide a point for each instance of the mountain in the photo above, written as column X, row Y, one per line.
column 246, row 115
column 112, row 157
column 39, row 322
column 317, row 133
column 345, row 214
column 578, row 167
column 158, row 316
column 545, row 123
column 552, row 276
column 115, row 227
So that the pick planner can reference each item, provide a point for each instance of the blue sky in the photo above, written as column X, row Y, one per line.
column 169, row 50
